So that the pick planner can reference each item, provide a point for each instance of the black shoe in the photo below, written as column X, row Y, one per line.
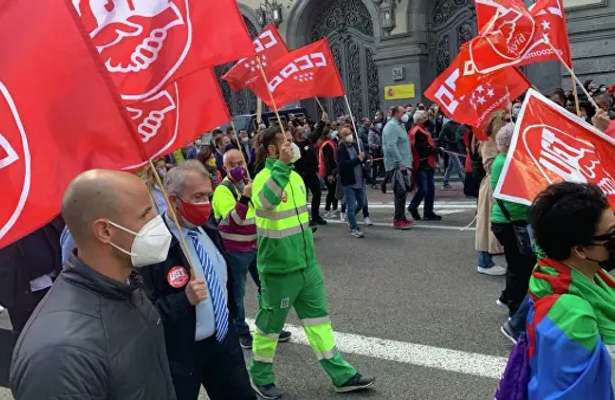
column 433, row 217
column 284, row 337
column 319, row 221
column 509, row 332
column 383, row 187
column 245, row 341
column 355, row 383
column 268, row 392
column 415, row 213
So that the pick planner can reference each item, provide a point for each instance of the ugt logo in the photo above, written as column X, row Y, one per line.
column 142, row 42
column 15, row 167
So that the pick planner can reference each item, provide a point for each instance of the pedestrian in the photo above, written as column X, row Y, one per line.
column 425, row 161
column 350, row 165
column 486, row 243
column 397, row 163
column 221, row 142
column 375, row 153
column 572, row 308
column 289, row 272
column 192, row 298
column 450, row 139
column 247, row 149
column 509, row 224
column 363, row 132
column 95, row 335
column 234, row 211
column 327, row 170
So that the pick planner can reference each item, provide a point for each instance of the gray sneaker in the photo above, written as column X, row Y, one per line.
column 355, row 384
column 267, row 392
column 357, row 233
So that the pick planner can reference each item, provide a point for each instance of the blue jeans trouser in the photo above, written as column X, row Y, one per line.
column 239, row 265
column 426, row 190
column 454, row 163
column 354, row 202
column 485, row 260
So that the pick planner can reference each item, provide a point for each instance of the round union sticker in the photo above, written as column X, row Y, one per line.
column 178, row 277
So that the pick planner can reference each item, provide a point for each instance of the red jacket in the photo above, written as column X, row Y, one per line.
column 423, row 148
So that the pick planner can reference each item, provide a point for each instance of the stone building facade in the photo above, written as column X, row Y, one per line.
column 378, row 43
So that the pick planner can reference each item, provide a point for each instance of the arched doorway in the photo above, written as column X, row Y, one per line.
column 349, row 26
column 451, row 23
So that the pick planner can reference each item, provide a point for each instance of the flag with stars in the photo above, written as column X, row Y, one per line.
column 269, row 46
column 307, row 72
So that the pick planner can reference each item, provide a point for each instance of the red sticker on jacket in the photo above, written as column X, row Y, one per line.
column 178, row 277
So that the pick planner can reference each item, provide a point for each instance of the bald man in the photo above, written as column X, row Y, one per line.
column 95, row 335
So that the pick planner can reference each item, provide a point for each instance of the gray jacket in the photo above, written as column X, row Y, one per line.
column 92, row 338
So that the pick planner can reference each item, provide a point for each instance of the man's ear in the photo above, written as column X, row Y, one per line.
column 101, row 230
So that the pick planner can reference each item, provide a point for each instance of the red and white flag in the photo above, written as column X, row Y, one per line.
column 147, row 44
column 173, row 118
column 303, row 73
column 552, row 145
column 269, row 47
column 469, row 97
column 59, row 115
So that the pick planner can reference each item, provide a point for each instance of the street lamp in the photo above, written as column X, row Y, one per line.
column 270, row 11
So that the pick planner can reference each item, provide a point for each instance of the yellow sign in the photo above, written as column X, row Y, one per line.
column 398, row 92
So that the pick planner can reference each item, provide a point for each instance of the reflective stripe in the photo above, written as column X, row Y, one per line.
column 316, row 321
column 280, row 234
column 238, row 238
column 274, row 187
column 327, row 355
column 278, row 215
column 272, row 336
column 264, row 201
column 263, row 359
column 236, row 218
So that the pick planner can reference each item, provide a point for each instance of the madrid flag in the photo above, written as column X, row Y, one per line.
column 552, row 145
column 58, row 114
column 306, row 72
column 269, row 46
column 147, row 44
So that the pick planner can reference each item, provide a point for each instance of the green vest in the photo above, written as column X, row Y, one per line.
column 285, row 240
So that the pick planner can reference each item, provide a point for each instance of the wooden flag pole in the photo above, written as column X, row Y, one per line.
column 322, row 109
column 273, row 103
column 354, row 125
column 575, row 93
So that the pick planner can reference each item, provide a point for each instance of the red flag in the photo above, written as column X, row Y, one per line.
column 58, row 116
column 506, row 37
column 174, row 117
column 306, row 72
column 269, row 47
column 469, row 97
column 147, row 44
column 552, row 145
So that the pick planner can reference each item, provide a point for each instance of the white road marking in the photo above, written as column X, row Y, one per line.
column 419, row 226
column 436, row 206
column 482, row 365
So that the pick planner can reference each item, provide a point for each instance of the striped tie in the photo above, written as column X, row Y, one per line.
column 216, row 292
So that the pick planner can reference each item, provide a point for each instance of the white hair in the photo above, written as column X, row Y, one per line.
column 175, row 180
column 504, row 137
column 420, row 116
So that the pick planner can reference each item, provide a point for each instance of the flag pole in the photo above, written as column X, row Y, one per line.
column 236, row 137
column 572, row 74
column 322, row 109
column 356, row 132
column 575, row 93
column 273, row 103
column 173, row 215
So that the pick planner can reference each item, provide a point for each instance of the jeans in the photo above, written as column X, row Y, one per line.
column 239, row 265
column 354, row 202
column 518, row 322
column 454, row 163
column 485, row 260
column 365, row 206
column 400, row 205
column 313, row 185
column 519, row 266
column 426, row 190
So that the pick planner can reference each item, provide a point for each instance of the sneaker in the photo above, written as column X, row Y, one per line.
column 329, row 214
column 284, row 337
column 267, row 392
column 319, row 221
column 509, row 332
column 245, row 341
column 355, row 383
column 496, row 270
column 357, row 233
column 367, row 221
column 2, row 309
column 432, row 217
column 502, row 303
column 415, row 213
column 343, row 217
column 402, row 225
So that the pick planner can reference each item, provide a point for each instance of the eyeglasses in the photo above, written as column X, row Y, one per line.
column 607, row 237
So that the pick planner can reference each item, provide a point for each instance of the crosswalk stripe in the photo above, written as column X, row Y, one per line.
column 419, row 226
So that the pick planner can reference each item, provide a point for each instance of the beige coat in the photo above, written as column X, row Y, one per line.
column 485, row 240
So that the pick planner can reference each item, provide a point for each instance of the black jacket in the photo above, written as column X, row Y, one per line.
column 92, row 338
column 308, row 163
column 178, row 315
column 346, row 165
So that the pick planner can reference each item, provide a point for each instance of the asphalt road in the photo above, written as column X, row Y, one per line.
column 409, row 307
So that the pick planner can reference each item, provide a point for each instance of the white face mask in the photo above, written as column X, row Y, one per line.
column 349, row 139
column 296, row 153
column 333, row 135
column 151, row 244
column 405, row 118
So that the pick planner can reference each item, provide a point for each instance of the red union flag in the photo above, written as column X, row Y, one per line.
column 177, row 115
column 269, row 47
column 505, row 38
column 552, row 145
column 147, row 44
column 58, row 116
column 306, row 72
column 469, row 97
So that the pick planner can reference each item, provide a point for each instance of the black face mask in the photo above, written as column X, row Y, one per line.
column 609, row 263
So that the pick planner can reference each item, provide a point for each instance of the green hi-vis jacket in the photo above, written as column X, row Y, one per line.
column 285, row 240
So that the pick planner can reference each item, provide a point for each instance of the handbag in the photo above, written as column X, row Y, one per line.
column 524, row 243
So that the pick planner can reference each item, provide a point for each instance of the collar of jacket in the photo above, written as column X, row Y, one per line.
column 79, row 273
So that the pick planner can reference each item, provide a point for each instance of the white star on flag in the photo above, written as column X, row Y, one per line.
column 480, row 89
column 481, row 100
column 546, row 25
column 490, row 92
